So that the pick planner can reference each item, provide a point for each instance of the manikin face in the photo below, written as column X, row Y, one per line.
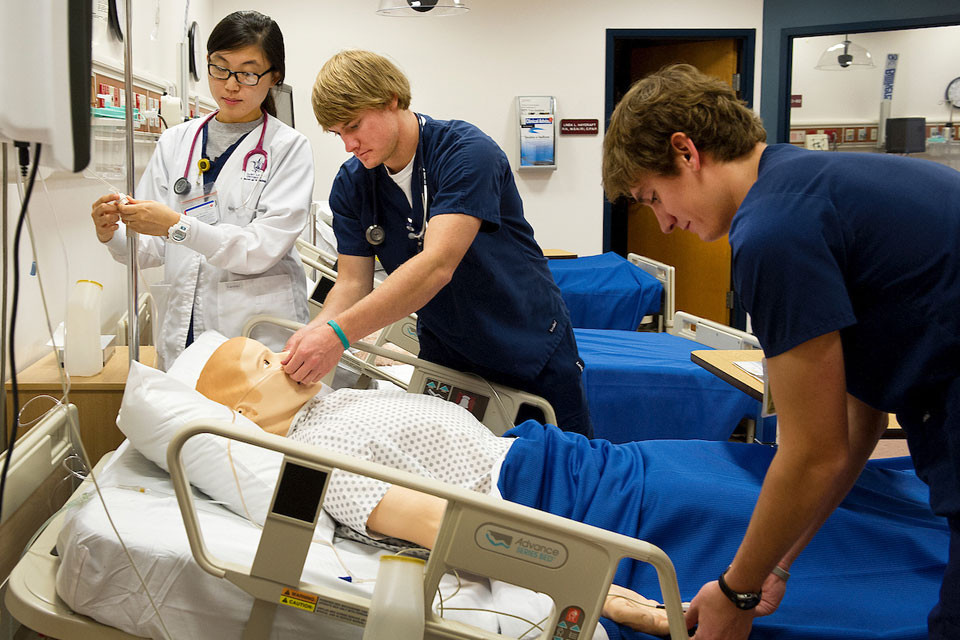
column 373, row 136
column 247, row 377
column 239, row 102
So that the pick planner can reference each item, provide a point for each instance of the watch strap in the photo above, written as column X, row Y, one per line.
column 179, row 231
column 743, row 600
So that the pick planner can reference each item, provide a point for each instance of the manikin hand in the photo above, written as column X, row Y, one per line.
column 629, row 608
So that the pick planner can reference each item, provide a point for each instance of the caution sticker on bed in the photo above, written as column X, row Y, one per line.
column 342, row 611
column 517, row 544
column 299, row 600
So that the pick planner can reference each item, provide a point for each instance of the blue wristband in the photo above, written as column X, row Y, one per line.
column 343, row 338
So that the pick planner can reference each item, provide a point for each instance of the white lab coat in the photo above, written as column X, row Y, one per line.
column 244, row 265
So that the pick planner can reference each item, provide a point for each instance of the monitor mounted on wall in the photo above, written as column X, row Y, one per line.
column 283, row 97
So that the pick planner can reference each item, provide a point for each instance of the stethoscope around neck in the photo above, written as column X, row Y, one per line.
column 375, row 234
column 182, row 185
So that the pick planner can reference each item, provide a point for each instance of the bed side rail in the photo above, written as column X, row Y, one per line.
column 572, row 562
column 315, row 254
column 495, row 405
column 667, row 275
column 712, row 334
column 36, row 455
column 146, row 315
column 402, row 333
column 325, row 277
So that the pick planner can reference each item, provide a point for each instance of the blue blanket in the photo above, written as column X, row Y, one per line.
column 872, row 571
column 606, row 291
column 642, row 386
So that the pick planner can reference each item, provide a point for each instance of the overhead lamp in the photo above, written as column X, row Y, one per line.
column 845, row 55
column 420, row 8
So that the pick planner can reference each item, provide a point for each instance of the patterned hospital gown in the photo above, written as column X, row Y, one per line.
column 411, row 432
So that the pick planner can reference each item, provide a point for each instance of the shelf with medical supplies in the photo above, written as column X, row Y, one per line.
column 108, row 151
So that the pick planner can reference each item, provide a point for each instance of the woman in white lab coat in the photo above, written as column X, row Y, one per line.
column 223, row 199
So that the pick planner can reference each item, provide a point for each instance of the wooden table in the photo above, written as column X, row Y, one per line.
column 558, row 254
column 721, row 363
column 97, row 397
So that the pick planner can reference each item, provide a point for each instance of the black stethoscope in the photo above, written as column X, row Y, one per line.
column 182, row 185
column 375, row 234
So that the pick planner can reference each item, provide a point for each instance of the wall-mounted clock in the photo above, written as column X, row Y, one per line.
column 193, row 39
column 116, row 18
column 953, row 93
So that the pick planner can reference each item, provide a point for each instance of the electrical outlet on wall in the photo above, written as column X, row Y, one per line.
column 818, row 141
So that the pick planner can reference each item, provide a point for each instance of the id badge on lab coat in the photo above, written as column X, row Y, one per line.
column 204, row 208
column 252, row 183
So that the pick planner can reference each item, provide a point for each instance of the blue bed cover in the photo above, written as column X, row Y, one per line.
column 643, row 386
column 606, row 291
column 872, row 571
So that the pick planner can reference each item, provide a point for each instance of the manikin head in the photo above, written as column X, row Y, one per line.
column 246, row 376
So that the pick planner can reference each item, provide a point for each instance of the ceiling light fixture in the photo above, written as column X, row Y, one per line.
column 420, row 8
column 845, row 55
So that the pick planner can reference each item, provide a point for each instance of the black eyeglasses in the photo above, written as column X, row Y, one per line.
column 246, row 78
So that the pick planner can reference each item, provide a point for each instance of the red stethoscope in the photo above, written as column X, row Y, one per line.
column 182, row 185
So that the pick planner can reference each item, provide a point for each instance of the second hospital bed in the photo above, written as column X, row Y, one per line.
column 639, row 385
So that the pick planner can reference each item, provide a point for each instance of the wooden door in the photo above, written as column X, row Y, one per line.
column 703, row 268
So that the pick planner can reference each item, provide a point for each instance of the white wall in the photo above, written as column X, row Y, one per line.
column 472, row 67
column 926, row 65
column 469, row 67
column 67, row 247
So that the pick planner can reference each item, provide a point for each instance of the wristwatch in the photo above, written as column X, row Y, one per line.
column 745, row 600
column 179, row 231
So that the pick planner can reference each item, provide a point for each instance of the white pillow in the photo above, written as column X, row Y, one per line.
column 156, row 405
column 189, row 363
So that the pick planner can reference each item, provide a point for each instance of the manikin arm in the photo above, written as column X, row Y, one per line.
column 410, row 515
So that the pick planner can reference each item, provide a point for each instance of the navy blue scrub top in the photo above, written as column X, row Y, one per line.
column 502, row 308
column 867, row 245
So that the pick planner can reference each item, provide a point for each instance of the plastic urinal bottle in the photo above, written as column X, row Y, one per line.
column 397, row 608
column 83, row 355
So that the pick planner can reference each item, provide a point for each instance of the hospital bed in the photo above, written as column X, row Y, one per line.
column 76, row 566
column 607, row 291
column 644, row 386
column 849, row 565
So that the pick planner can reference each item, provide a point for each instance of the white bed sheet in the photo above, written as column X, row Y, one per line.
column 95, row 578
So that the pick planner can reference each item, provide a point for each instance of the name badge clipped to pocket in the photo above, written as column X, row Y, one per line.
column 205, row 208
column 255, row 167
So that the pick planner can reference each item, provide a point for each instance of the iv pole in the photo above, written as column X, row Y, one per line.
column 133, row 238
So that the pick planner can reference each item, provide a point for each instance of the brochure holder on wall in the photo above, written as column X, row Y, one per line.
column 537, row 131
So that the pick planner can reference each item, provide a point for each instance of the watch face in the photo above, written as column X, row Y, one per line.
column 179, row 235
column 953, row 92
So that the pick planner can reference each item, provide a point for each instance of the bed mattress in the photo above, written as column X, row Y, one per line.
column 95, row 577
